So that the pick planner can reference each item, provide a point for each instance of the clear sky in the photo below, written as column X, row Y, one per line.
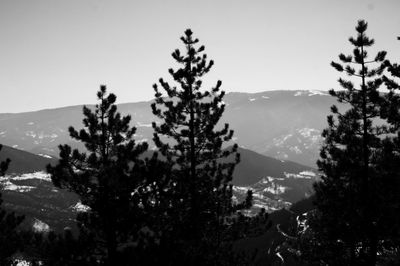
column 55, row 53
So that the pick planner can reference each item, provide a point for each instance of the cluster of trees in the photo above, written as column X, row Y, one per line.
column 357, row 216
column 174, row 206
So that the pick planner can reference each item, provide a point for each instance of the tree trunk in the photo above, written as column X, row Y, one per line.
column 111, row 239
column 373, row 248
column 193, row 193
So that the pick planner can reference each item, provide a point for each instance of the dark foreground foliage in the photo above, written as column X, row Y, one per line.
column 357, row 201
column 10, row 241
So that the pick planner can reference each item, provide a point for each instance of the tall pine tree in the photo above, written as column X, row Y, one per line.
column 188, row 138
column 108, row 178
column 390, row 159
column 350, row 217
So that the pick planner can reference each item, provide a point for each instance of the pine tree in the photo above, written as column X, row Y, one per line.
column 187, row 137
column 350, row 217
column 9, row 222
column 389, row 159
column 391, row 106
column 108, row 178
column 4, row 164
column 57, row 249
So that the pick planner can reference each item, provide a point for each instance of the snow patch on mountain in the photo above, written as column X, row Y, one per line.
column 303, row 175
column 79, row 207
column 308, row 173
column 40, row 227
column 281, row 140
column 310, row 133
column 296, row 144
column 41, row 175
column 30, row 134
column 311, row 93
column 276, row 189
column 274, row 193
column 8, row 185
column 295, row 149
column 11, row 182
column 267, row 194
column 317, row 92
column 21, row 262
column 45, row 155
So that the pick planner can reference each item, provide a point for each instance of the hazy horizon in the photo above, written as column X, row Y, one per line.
column 57, row 53
column 119, row 102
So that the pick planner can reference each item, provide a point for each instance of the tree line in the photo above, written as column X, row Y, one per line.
column 174, row 205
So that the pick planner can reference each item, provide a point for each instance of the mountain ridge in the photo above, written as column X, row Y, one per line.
column 283, row 124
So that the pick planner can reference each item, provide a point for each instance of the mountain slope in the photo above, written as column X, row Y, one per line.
column 254, row 166
column 28, row 190
column 24, row 162
column 275, row 184
column 281, row 124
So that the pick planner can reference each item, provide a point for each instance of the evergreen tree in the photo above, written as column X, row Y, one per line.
column 391, row 107
column 200, row 189
column 9, row 222
column 351, row 217
column 4, row 164
column 108, row 178
column 390, row 160
column 57, row 249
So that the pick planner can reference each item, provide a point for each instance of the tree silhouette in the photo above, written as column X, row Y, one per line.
column 9, row 222
column 351, row 217
column 57, row 249
column 389, row 161
column 187, row 137
column 392, row 103
column 108, row 178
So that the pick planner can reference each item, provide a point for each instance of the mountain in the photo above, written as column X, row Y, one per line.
column 28, row 190
column 44, row 206
column 282, row 124
column 24, row 162
column 254, row 166
column 275, row 184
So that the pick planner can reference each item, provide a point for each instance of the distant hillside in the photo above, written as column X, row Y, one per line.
column 24, row 162
column 254, row 166
column 282, row 124
column 28, row 190
column 275, row 184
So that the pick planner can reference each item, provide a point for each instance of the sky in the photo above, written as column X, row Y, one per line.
column 56, row 53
